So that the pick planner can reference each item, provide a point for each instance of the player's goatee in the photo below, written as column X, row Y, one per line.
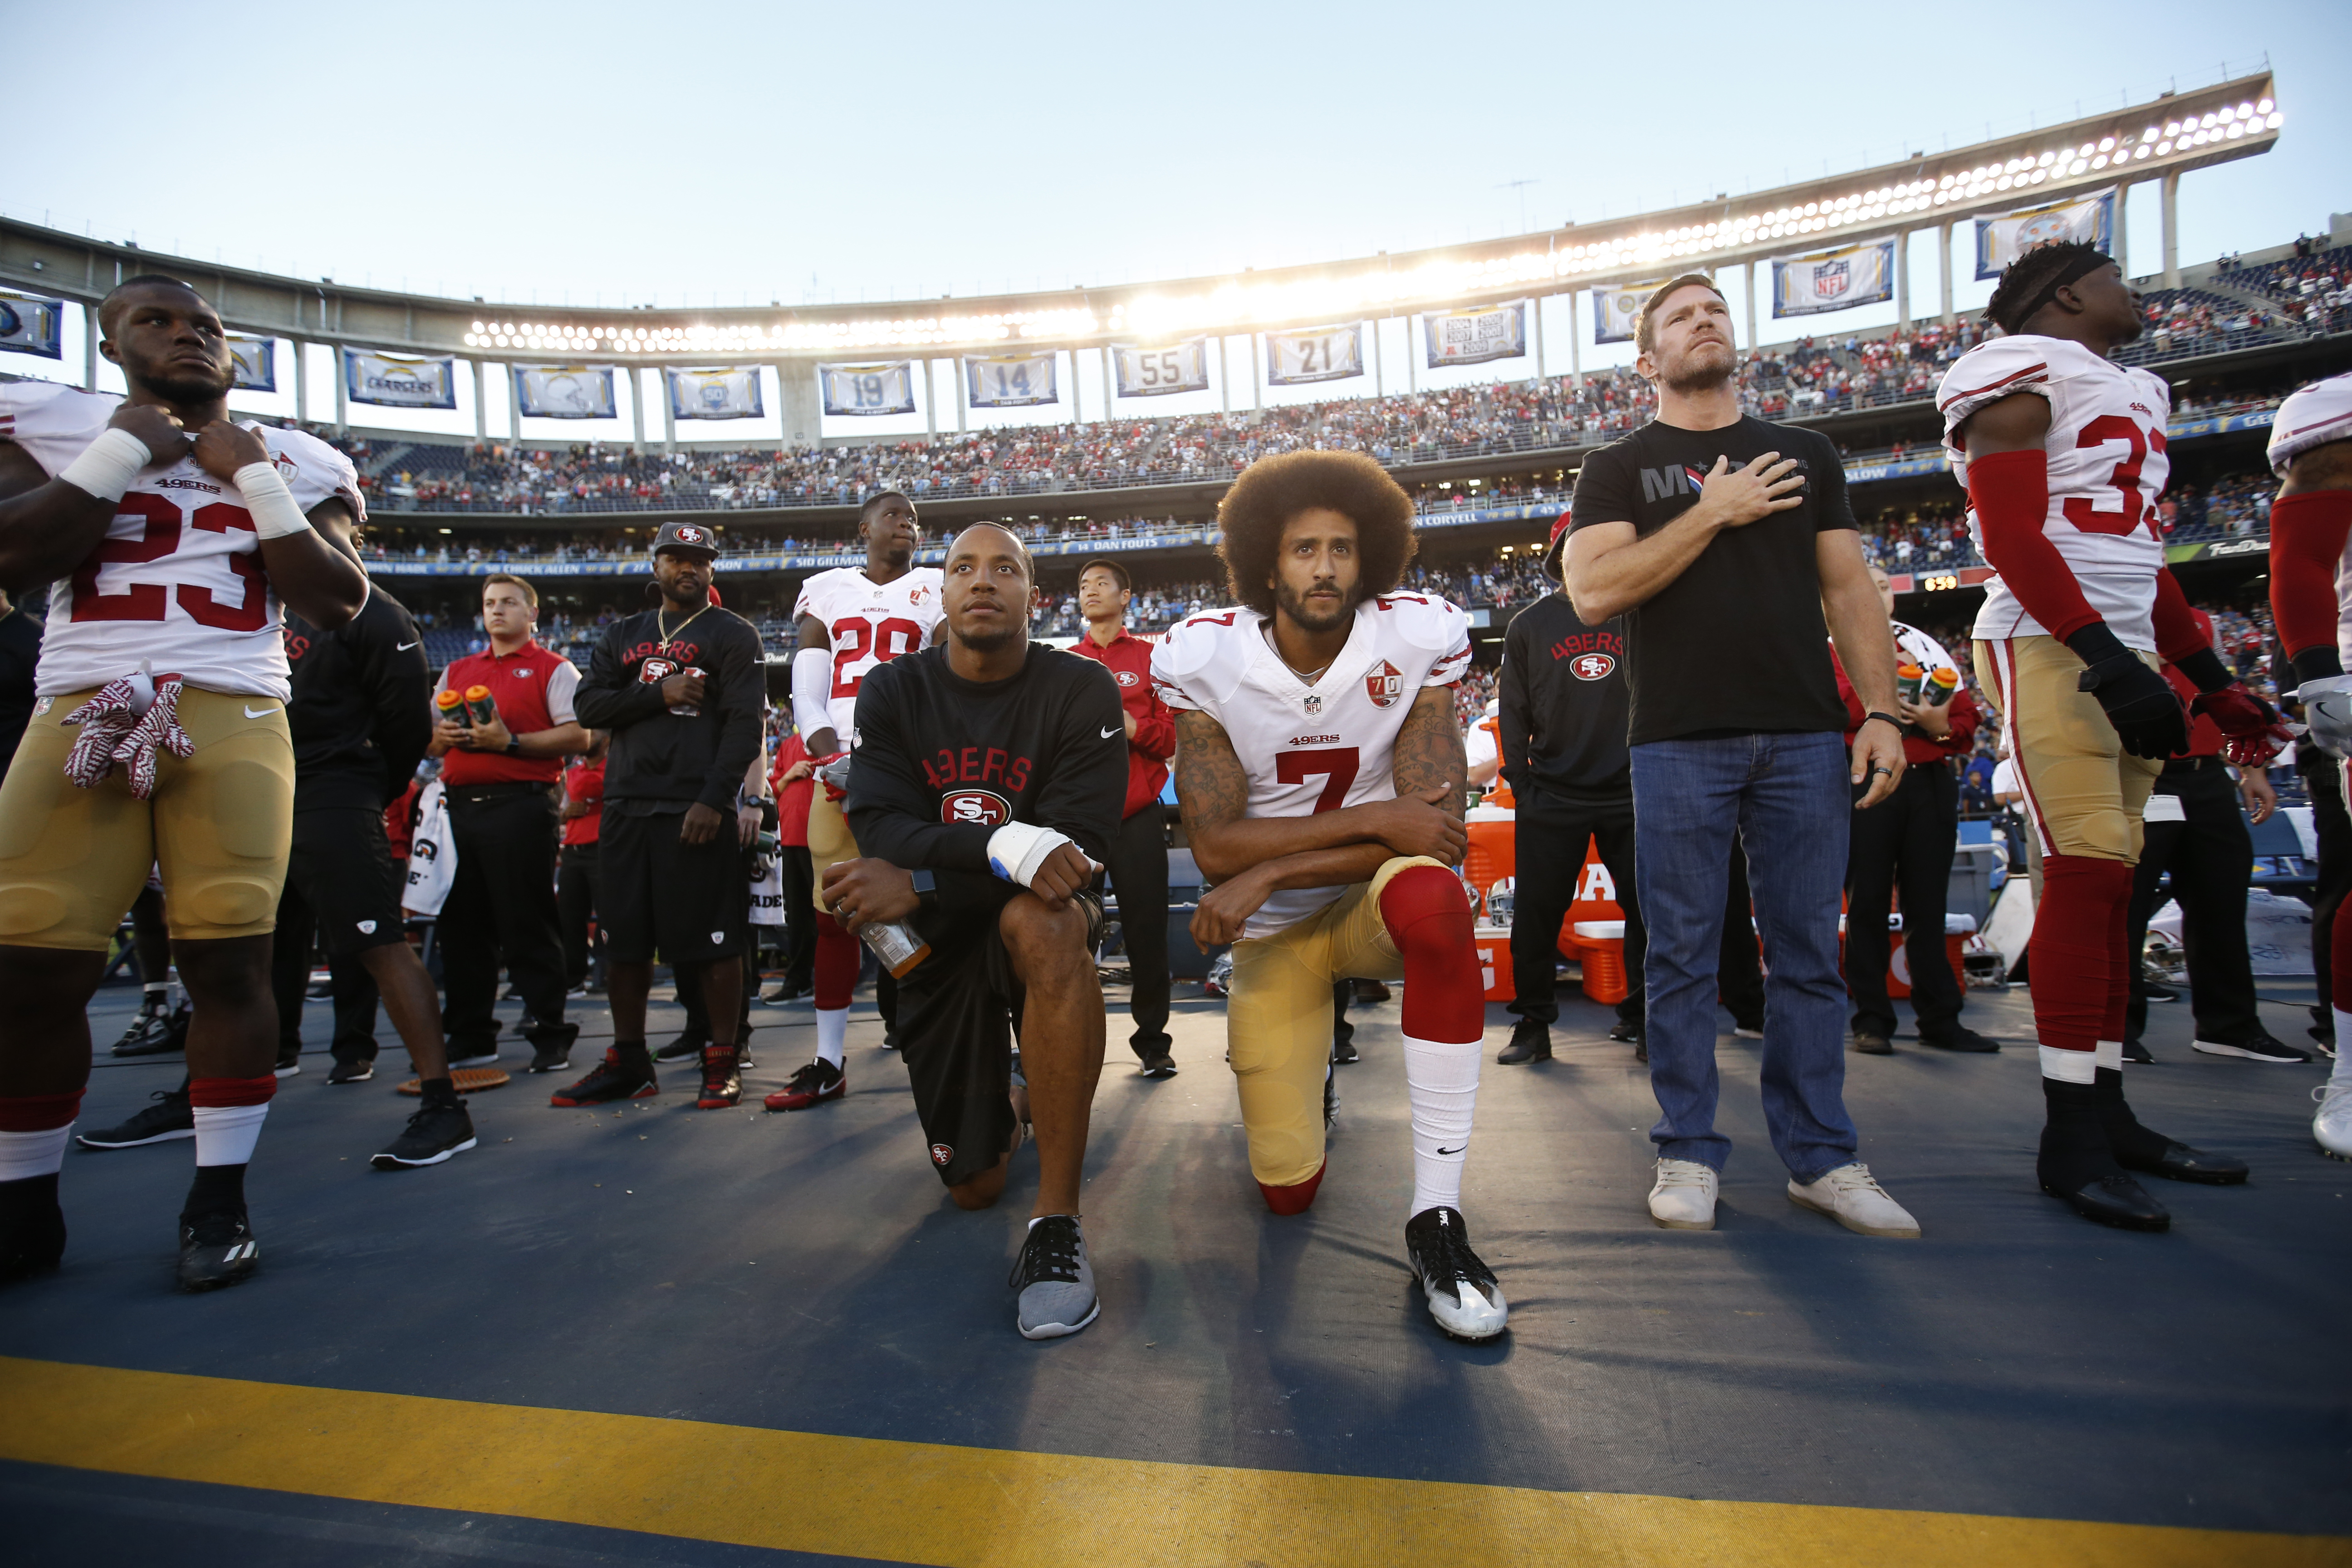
column 1700, row 370
column 189, row 388
column 1313, row 620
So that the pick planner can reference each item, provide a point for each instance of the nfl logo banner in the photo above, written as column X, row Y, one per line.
column 1614, row 311
column 399, row 381
column 726, row 392
column 1155, row 373
column 31, row 325
column 1475, row 337
column 1834, row 280
column 861, row 390
column 1009, row 381
column 256, row 362
column 2005, row 237
column 1318, row 354
column 565, row 392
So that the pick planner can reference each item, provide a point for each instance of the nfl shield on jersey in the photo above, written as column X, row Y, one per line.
column 870, row 623
column 2312, row 416
column 2108, row 466
column 1309, row 747
column 178, row 582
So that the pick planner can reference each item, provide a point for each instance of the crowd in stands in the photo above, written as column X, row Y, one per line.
column 2313, row 287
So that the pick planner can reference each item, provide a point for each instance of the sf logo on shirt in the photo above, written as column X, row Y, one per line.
column 981, row 807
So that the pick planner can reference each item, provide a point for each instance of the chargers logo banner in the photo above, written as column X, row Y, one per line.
column 1614, row 311
column 2005, row 237
column 1834, row 280
column 399, row 381
column 256, row 362
column 1318, row 354
column 1155, row 373
column 858, row 390
column 31, row 325
column 1473, row 337
column 1009, row 381
column 564, row 391
column 727, row 392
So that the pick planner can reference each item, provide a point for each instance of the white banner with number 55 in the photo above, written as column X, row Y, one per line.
column 861, row 391
column 1157, row 372
column 1318, row 354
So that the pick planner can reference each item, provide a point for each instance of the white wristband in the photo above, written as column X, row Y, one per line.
column 108, row 464
column 275, row 515
column 1017, row 849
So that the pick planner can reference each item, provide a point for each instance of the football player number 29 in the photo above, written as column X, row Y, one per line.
column 159, row 538
column 1335, row 765
column 2092, row 519
column 854, row 639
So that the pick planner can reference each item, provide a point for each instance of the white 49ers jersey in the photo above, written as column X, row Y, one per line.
column 2108, row 466
column 2312, row 416
column 1319, row 747
column 870, row 623
column 178, row 582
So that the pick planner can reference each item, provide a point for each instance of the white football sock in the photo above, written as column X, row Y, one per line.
column 24, row 1155
column 225, row 1134
column 2108, row 1054
column 1441, row 1080
column 832, row 1034
column 2342, row 1077
column 2070, row 1067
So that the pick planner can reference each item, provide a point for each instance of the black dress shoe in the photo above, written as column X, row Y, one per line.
column 2137, row 1051
column 1530, row 1042
column 1625, row 1031
column 1959, row 1037
column 2117, row 1201
column 1872, row 1044
column 2179, row 1162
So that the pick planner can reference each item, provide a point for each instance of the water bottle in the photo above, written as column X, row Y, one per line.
column 895, row 946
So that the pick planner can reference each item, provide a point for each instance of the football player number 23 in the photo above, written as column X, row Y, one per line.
column 2080, row 509
column 854, row 639
column 159, row 538
column 1336, row 766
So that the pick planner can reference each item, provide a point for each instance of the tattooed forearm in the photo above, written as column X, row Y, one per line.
column 1211, row 789
column 1429, row 751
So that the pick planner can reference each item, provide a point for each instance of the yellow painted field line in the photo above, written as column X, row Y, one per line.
column 980, row 1507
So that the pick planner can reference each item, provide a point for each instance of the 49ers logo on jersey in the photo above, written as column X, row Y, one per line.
column 1126, row 677
column 1384, row 684
column 653, row 671
column 1592, row 667
column 984, row 807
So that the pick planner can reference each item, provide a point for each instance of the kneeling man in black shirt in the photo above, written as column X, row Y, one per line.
column 985, row 784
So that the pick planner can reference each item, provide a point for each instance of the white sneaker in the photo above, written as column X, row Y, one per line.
column 2331, row 1128
column 1853, row 1198
column 1684, row 1198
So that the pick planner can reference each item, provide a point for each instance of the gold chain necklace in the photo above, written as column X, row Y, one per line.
column 661, row 625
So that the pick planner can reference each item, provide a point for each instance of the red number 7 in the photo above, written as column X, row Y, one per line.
column 1335, row 764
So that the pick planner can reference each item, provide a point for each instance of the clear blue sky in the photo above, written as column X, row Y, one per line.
column 714, row 151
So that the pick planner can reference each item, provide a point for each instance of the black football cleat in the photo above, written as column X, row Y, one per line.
column 1463, row 1297
column 2116, row 1200
column 609, row 1080
column 150, row 1033
column 812, row 1085
column 687, row 1047
column 216, row 1250
column 722, row 1080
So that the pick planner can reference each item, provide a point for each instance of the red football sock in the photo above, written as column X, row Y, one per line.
column 46, row 1112
column 2073, row 953
column 1297, row 1197
column 837, row 956
column 1428, row 917
column 2119, row 982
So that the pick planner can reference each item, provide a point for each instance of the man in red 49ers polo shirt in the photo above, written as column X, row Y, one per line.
column 1139, row 855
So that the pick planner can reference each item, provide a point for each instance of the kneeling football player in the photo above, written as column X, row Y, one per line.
column 1320, row 776
column 985, row 784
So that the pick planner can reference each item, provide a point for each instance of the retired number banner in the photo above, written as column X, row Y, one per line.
column 1834, row 280
column 1009, row 381
column 1156, row 371
column 1318, row 354
column 399, row 381
column 32, row 325
column 858, row 391
column 565, row 392
column 2005, row 237
column 1614, row 311
column 726, row 392
column 256, row 359
column 1473, row 337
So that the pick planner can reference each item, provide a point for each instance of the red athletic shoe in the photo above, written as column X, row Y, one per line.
column 818, row 1081
column 608, row 1082
column 722, row 1080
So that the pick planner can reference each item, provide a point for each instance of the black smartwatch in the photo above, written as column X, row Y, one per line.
column 513, row 748
column 926, row 888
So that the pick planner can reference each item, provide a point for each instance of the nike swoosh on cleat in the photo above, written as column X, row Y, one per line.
column 403, row 647
column 262, row 714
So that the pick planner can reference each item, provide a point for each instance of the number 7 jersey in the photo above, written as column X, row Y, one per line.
column 1309, row 748
column 869, row 624
column 2108, row 466
column 178, row 582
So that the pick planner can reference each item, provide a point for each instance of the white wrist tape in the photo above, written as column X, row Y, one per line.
column 812, row 691
column 1017, row 849
column 108, row 464
column 275, row 515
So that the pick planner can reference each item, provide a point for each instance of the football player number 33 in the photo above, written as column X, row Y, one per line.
column 161, row 536
column 856, row 639
column 2086, row 514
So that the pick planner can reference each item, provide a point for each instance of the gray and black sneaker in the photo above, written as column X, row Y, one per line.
column 687, row 1047
column 352, row 1070
column 170, row 1117
column 1055, row 1278
column 150, row 1033
column 433, row 1134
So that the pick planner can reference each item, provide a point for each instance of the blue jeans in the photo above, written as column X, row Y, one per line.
column 1788, row 801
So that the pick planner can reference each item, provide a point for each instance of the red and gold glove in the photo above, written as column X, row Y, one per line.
column 2252, row 728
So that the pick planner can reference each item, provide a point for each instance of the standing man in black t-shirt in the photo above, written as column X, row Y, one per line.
column 680, row 688
column 1726, row 543
column 985, row 786
column 1561, row 711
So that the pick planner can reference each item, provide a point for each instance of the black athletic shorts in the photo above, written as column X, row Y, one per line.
column 957, row 1010
column 341, row 866
column 690, row 900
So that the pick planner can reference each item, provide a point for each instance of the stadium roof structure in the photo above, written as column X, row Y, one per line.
column 2157, row 140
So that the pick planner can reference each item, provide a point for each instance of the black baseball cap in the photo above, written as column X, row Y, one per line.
column 686, row 536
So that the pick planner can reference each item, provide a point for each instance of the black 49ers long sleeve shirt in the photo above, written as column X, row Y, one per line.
column 1560, row 705
column 941, row 763
column 666, row 761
